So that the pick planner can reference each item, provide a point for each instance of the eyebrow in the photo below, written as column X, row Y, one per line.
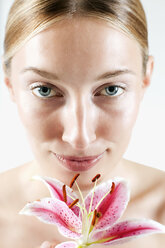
column 53, row 76
column 42, row 73
column 114, row 73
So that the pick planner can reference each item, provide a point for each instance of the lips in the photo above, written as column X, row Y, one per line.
column 78, row 163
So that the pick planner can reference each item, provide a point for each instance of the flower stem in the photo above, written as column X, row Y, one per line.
column 81, row 197
column 102, row 199
column 90, row 207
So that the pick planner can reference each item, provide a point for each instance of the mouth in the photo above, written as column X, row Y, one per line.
column 74, row 163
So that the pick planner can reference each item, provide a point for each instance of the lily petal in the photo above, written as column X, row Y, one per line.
column 55, row 189
column 54, row 211
column 69, row 244
column 113, row 205
column 127, row 230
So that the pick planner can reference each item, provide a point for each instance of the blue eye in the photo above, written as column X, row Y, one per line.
column 111, row 91
column 44, row 91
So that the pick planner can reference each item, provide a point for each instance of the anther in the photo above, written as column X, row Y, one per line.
column 112, row 188
column 73, row 203
column 74, row 179
column 64, row 193
column 94, row 217
column 96, row 178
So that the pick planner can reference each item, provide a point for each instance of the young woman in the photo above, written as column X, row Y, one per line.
column 77, row 71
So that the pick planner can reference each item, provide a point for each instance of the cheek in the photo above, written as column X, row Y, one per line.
column 117, row 119
column 41, row 123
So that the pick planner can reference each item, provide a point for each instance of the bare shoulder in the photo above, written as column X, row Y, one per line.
column 8, row 185
column 146, row 174
column 11, row 190
column 10, row 180
column 9, row 201
column 16, row 190
column 14, row 184
column 149, row 180
column 149, row 187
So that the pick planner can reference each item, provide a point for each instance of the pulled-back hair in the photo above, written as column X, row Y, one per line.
column 29, row 17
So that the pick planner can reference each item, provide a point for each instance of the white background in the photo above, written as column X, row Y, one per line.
column 147, row 145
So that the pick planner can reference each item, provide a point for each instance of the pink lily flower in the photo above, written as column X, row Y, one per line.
column 94, row 220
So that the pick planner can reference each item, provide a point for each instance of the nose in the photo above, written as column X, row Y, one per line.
column 79, row 120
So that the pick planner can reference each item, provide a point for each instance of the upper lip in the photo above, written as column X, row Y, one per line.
column 81, row 158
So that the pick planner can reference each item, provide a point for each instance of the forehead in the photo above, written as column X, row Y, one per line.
column 80, row 44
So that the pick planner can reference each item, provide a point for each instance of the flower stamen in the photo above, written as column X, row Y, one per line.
column 96, row 178
column 74, row 179
column 73, row 203
column 112, row 188
column 64, row 193
column 94, row 217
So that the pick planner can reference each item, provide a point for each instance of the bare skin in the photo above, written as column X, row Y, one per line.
column 81, row 118
column 147, row 201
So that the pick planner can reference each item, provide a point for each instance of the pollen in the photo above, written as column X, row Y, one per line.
column 74, row 179
column 96, row 178
column 73, row 203
column 64, row 193
column 112, row 188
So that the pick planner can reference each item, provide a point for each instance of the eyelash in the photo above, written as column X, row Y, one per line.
column 118, row 89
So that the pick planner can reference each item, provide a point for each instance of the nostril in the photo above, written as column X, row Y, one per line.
column 79, row 140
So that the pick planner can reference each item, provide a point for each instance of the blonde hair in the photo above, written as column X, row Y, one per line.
column 29, row 17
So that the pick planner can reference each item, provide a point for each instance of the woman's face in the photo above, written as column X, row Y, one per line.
column 78, row 86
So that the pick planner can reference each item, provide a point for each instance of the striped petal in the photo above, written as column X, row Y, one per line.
column 69, row 244
column 54, row 211
column 127, row 230
column 56, row 192
column 113, row 205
